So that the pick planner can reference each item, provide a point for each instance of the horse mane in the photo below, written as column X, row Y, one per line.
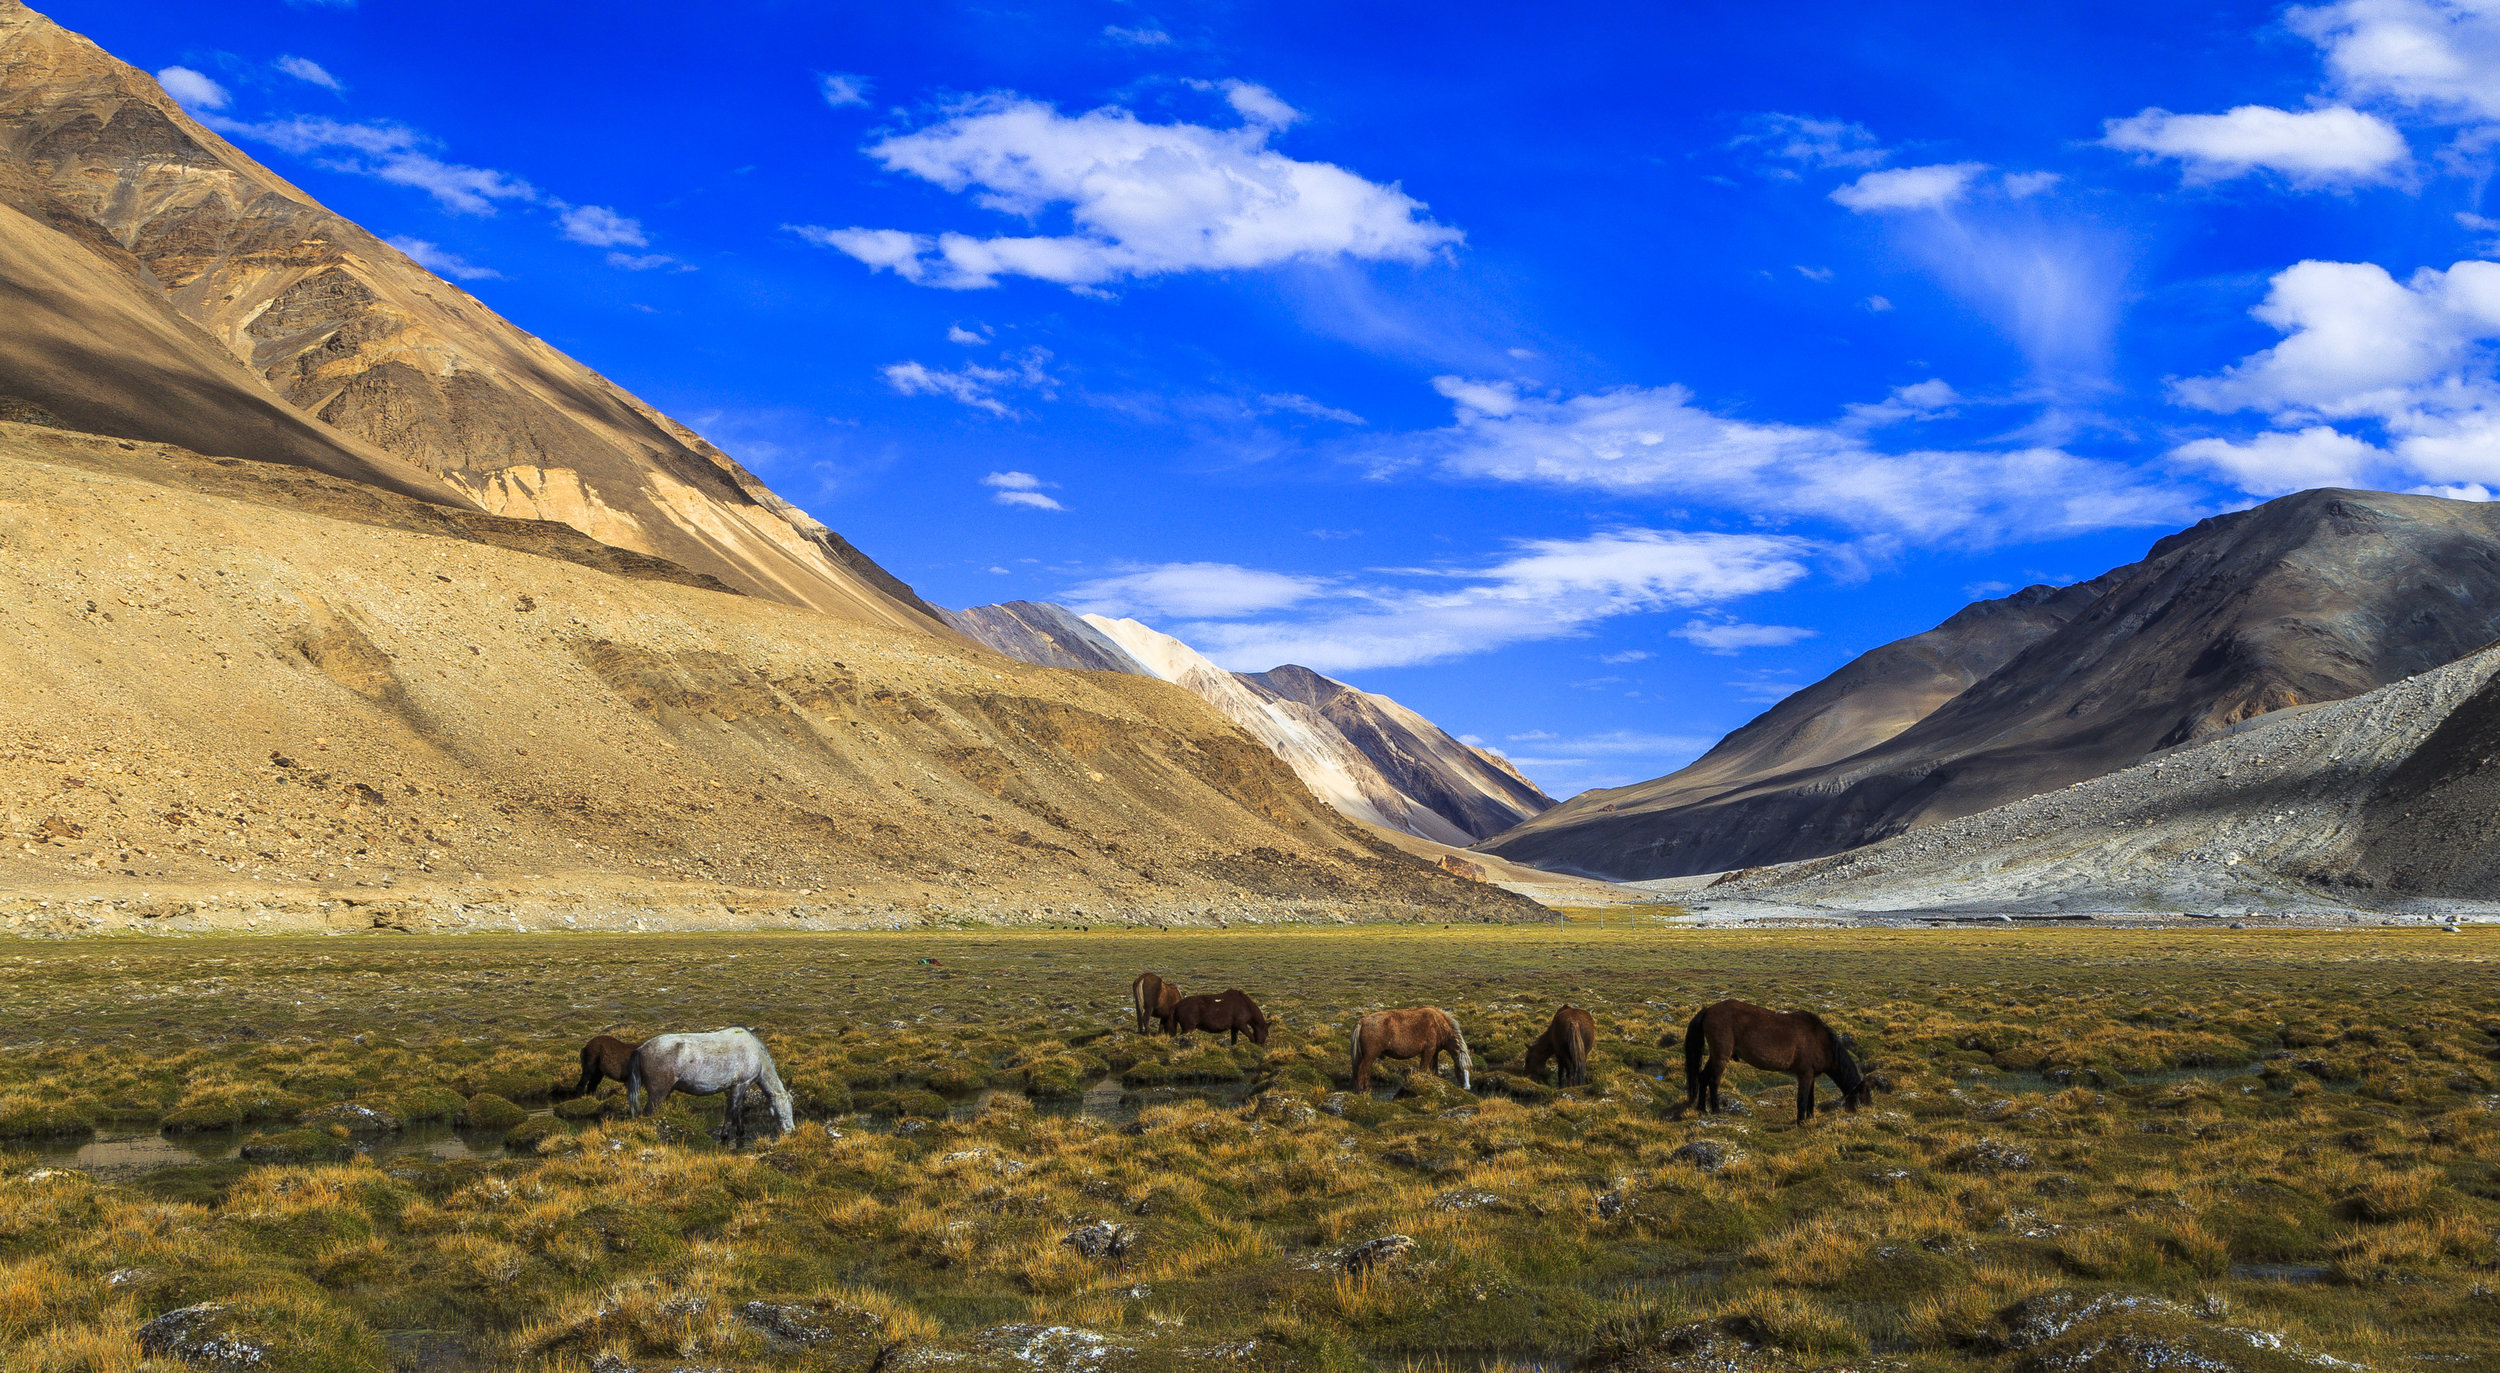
column 1466, row 1060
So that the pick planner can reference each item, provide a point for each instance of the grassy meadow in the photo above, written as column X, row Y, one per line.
column 2096, row 1150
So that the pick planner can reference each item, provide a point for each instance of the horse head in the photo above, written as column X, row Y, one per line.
column 1856, row 1088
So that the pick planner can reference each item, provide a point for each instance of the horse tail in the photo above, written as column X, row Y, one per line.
column 1137, row 999
column 1466, row 1061
column 634, row 1083
column 1695, row 1042
column 1355, row 1063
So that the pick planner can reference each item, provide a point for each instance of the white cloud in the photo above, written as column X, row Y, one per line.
column 1143, row 199
column 1877, row 305
column 1144, row 36
column 2323, row 147
column 956, row 333
column 601, row 227
column 193, row 90
column 2412, row 360
column 1295, row 403
column 973, row 384
column 1815, row 273
column 1020, row 488
column 2438, row 57
column 2025, row 185
column 442, row 263
column 645, row 262
column 1732, row 637
column 2278, row 464
column 840, row 89
column 1811, row 142
column 1910, row 188
column 2358, row 341
column 1653, row 441
column 1546, row 589
column 305, row 69
column 1633, row 655
column 1216, row 590
column 390, row 152
column 1919, row 400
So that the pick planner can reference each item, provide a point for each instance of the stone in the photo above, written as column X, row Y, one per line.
column 1376, row 1253
column 202, row 1334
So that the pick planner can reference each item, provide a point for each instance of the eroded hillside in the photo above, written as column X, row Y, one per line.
column 246, row 692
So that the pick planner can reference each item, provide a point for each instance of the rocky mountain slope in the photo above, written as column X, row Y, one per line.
column 249, row 694
column 2379, row 802
column 170, row 288
column 1045, row 635
column 2315, row 597
column 1366, row 755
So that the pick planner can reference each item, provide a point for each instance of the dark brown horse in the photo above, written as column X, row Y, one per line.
column 605, row 1056
column 1424, row 1032
column 1155, row 1000
column 1795, row 1042
column 1227, row 1010
column 1565, row 1044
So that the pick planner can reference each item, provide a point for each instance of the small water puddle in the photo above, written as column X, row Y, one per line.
column 2280, row 1272
column 118, row 1155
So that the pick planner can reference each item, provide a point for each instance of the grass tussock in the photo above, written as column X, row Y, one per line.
column 2087, row 1145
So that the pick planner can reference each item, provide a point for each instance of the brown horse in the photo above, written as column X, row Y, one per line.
column 1154, row 999
column 605, row 1056
column 1776, row 1042
column 1566, row 1044
column 1424, row 1032
column 1227, row 1010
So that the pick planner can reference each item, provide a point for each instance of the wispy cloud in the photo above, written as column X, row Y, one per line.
column 973, row 384
column 441, row 262
column 1655, row 441
column 1142, row 36
column 841, row 89
column 307, row 70
column 1731, row 637
column 1805, row 141
column 1020, row 488
column 601, row 227
column 193, row 90
column 1910, row 188
column 1194, row 590
column 391, row 152
column 1543, row 589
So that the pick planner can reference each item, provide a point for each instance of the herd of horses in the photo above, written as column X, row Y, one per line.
column 1794, row 1042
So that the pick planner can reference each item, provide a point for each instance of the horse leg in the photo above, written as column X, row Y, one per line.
column 1805, row 1097
column 736, row 1124
column 1364, row 1057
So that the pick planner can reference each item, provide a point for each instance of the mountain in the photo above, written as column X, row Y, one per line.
column 2315, row 597
column 1046, row 635
column 1366, row 755
column 166, row 287
column 2383, row 801
column 1479, row 792
column 247, row 694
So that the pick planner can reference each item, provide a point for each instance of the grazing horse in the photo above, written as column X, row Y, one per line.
column 1229, row 1009
column 1424, row 1032
column 1565, row 1043
column 1155, row 999
column 604, row 1057
column 731, row 1061
column 1776, row 1042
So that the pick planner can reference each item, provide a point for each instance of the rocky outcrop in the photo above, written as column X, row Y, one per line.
column 167, row 287
column 1477, row 791
column 2311, row 598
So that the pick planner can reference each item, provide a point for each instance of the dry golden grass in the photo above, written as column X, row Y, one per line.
column 2085, row 1114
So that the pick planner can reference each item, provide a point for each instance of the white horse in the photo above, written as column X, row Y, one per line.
column 729, row 1061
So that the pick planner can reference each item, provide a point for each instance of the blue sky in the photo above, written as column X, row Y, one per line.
column 1583, row 376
